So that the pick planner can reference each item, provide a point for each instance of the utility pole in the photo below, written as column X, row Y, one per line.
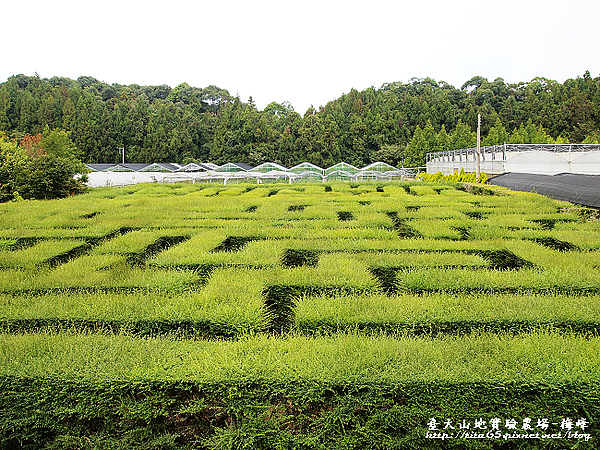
column 122, row 151
column 478, row 148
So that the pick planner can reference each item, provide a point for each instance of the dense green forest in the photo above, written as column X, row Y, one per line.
column 396, row 123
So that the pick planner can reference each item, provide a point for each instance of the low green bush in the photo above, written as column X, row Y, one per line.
column 266, row 415
column 438, row 314
column 461, row 177
column 536, row 357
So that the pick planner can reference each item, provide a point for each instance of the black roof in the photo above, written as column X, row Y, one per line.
column 574, row 188
column 100, row 167
column 136, row 167
column 242, row 165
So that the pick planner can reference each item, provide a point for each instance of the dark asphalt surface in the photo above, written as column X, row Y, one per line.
column 574, row 188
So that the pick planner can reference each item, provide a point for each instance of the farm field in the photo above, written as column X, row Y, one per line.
column 305, row 316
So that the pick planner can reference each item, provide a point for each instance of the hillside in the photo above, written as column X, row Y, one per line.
column 396, row 123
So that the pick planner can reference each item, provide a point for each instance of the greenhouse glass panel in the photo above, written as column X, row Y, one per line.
column 310, row 176
column 306, row 167
column 234, row 167
column 99, row 167
column 155, row 168
column 268, row 167
column 340, row 175
column 379, row 167
column 135, row 167
column 193, row 167
column 178, row 178
column 342, row 167
column 367, row 175
column 118, row 168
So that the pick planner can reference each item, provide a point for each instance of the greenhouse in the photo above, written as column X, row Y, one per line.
column 268, row 167
column 311, row 175
column 339, row 175
column 342, row 167
column 378, row 167
column 268, row 172
column 234, row 167
column 195, row 167
column 367, row 175
column 161, row 167
column 307, row 167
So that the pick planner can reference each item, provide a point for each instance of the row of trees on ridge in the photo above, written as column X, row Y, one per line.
column 397, row 123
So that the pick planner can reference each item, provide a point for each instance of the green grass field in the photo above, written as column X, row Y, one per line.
column 299, row 317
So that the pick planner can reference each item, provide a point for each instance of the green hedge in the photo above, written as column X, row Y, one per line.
column 57, row 414
column 148, row 328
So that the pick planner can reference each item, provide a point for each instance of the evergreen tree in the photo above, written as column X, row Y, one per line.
column 463, row 137
column 497, row 135
column 530, row 134
column 416, row 150
column 442, row 141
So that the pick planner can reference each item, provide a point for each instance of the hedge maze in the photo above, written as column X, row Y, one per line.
column 336, row 316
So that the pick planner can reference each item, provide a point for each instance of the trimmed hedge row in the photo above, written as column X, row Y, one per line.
column 146, row 328
column 279, row 314
column 451, row 327
column 281, row 317
column 58, row 414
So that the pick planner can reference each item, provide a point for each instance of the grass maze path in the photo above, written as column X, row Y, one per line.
column 189, row 316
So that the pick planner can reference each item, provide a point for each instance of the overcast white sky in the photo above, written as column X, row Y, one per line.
column 305, row 52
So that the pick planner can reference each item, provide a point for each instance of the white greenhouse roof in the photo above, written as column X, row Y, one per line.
column 268, row 167
column 106, row 174
column 306, row 166
column 194, row 167
column 343, row 167
column 234, row 167
column 379, row 167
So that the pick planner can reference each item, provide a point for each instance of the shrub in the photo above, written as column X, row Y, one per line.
column 48, row 177
column 33, row 171
column 461, row 177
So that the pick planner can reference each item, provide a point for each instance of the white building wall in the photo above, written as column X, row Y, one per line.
column 107, row 179
column 532, row 161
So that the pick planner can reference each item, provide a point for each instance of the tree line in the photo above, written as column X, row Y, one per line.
column 397, row 123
